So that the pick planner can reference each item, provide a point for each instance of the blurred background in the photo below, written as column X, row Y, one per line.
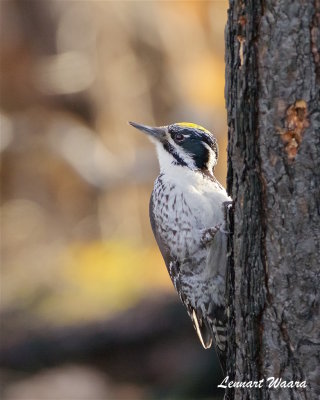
column 87, row 307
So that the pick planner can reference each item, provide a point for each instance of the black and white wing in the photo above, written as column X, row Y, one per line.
column 200, row 323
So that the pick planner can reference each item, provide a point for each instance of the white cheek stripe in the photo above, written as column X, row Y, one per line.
column 212, row 157
column 167, row 161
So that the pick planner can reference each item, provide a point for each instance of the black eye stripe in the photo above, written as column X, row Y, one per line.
column 170, row 149
column 193, row 133
column 199, row 145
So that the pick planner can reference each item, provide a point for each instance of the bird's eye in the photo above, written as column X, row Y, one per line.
column 178, row 137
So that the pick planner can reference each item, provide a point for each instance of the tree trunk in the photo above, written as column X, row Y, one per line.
column 273, row 103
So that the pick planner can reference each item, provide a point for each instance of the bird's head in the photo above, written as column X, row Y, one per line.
column 183, row 144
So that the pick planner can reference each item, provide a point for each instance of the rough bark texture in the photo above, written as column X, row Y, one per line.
column 273, row 102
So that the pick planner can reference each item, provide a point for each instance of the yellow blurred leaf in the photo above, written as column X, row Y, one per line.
column 102, row 278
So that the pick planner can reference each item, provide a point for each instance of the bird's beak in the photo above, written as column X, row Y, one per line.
column 158, row 133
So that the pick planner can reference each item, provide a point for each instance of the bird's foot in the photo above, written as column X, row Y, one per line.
column 208, row 234
column 228, row 204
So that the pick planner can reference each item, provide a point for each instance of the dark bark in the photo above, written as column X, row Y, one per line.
column 273, row 103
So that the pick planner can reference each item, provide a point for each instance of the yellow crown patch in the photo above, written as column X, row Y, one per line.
column 191, row 125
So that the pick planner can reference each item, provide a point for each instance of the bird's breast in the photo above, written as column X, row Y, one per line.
column 181, row 214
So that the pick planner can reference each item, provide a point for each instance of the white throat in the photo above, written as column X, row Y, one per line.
column 181, row 175
column 167, row 162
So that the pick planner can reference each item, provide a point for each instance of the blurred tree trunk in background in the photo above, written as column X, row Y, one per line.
column 273, row 102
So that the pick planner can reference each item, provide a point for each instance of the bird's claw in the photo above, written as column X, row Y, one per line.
column 228, row 204
column 209, row 234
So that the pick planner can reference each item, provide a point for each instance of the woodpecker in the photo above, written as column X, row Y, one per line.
column 187, row 218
